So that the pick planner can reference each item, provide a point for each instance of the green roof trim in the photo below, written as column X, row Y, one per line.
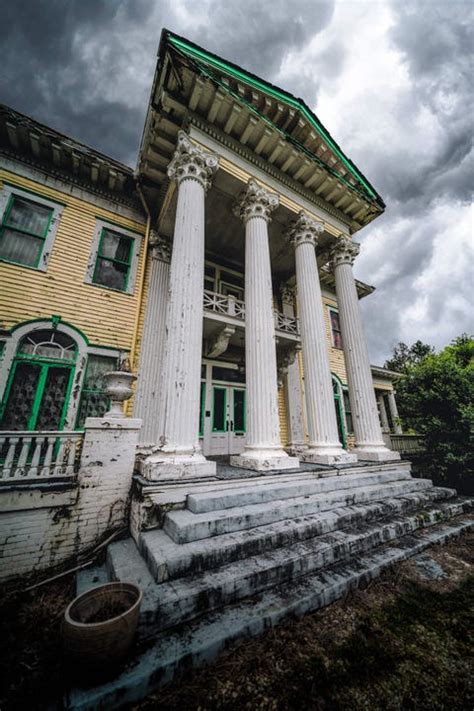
column 197, row 53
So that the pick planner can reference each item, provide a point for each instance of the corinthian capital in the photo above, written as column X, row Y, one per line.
column 344, row 252
column 160, row 247
column 192, row 162
column 305, row 230
column 255, row 201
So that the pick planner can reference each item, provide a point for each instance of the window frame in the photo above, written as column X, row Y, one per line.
column 7, row 199
column 134, row 255
column 331, row 310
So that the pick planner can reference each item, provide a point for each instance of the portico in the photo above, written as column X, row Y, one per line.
column 218, row 355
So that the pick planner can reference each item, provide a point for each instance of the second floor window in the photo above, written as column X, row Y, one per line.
column 335, row 329
column 114, row 260
column 24, row 230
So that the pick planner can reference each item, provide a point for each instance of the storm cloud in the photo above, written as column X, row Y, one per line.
column 392, row 81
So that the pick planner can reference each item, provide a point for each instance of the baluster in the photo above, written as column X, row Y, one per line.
column 71, row 456
column 46, row 470
column 21, row 468
column 59, row 458
column 33, row 471
column 7, row 468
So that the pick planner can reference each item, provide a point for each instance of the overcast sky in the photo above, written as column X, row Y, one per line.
column 391, row 80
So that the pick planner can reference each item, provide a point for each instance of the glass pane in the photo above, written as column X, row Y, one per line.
column 115, row 246
column 229, row 374
column 111, row 274
column 54, row 397
column 219, row 414
column 29, row 216
column 239, row 410
column 339, row 421
column 94, row 401
column 20, row 400
column 232, row 278
column 21, row 248
column 93, row 404
column 201, row 409
column 347, row 409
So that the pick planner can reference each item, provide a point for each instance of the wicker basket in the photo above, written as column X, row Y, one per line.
column 103, row 644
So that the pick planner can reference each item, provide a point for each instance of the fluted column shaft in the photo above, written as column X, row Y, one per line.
column 392, row 403
column 178, row 452
column 263, row 448
column 324, row 446
column 152, row 344
column 383, row 413
column 293, row 386
column 367, row 430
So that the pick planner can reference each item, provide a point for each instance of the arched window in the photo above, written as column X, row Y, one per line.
column 39, row 382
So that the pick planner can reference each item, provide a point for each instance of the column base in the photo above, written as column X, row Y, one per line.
column 297, row 449
column 165, row 466
column 327, row 455
column 264, row 460
column 376, row 454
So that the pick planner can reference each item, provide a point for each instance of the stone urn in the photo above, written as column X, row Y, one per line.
column 118, row 386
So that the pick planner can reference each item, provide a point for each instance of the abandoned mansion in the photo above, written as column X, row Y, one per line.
column 181, row 345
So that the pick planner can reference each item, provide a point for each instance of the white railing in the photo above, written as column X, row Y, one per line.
column 222, row 304
column 286, row 323
column 230, row 306
column 38, row 455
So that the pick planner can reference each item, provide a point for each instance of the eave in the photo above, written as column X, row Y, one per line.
column 31, row 142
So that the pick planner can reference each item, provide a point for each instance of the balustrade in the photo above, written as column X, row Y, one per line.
column 230, row 306
column 38, row 455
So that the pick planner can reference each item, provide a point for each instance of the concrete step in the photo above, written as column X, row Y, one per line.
column 263, row 493
column 184, row 526
column 168, row 560
column 190, row 597
column 175, row 652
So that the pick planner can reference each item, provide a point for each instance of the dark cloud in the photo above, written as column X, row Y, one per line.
column 60, row 58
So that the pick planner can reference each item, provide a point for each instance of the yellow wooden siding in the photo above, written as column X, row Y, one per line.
column 106, row 317
column 283, row 416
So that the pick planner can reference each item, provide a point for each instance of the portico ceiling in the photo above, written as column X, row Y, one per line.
column 270, row 127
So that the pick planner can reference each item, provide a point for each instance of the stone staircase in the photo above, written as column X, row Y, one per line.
column 241, row 557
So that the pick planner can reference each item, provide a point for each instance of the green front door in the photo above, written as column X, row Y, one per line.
column 36, row 396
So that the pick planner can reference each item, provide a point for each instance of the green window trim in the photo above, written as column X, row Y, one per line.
column 17, row 229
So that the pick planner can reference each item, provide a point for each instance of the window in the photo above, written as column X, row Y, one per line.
column 348, row 412
column 24, row 230
column 335, row 329
column 94, row 401
column 114, row 258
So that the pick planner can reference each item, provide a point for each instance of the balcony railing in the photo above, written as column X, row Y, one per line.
column 230, row 306
column 27, row 456
column 407, row 443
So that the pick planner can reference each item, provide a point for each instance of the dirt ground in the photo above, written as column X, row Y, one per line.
column 405, row 642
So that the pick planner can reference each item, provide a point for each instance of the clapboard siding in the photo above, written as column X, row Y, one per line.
column 106, row 317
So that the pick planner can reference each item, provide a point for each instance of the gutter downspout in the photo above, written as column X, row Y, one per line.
column 141, row 285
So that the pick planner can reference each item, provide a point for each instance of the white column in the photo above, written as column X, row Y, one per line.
column 383, row 413
column 293, row 386
column 392, row 403
column 152, row 345
column 367, row 430
column 324, row 446
column 178, row 454
column 263, row 450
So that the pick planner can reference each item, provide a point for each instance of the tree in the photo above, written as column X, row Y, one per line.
column 436, row 399
column 405, row 357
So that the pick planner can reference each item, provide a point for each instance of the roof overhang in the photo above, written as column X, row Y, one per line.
column 192, row 85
